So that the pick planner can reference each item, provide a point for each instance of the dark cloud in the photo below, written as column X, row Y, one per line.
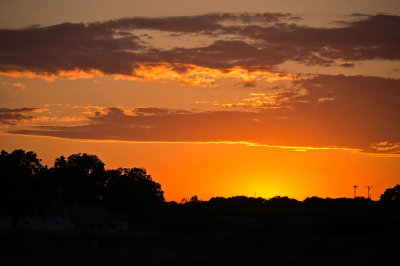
column 249, row 84
column 146, row 111
column 257, row 41
column 195, row 24
column 10, row 116
column 17, row 110
column 369, row 37
column 66, row 47
column 346, row 64
column 327, row 111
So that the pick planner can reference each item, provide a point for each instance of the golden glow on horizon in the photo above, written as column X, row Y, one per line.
column 225, row 169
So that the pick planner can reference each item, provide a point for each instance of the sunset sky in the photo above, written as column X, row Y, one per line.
column 214, row 98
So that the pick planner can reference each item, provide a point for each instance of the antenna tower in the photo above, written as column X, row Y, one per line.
column 355, row 191
column 369, row 188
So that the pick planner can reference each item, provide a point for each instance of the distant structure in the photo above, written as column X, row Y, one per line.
column 355, row 191
column 369, row 188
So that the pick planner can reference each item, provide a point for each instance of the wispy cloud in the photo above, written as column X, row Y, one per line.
column 385, row 147
column 9, row 85
column 11, row 116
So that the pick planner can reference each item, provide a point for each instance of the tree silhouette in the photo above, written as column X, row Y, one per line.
column 391, row 194
column 19, row 172
column 27, row 189
column 237, row 202
column 283, row 202
column 194, row 199
column 81, row 178
column 132, row 189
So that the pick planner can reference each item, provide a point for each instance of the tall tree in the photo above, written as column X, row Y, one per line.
column 81, row 178
column 19, row 173
column 132, row 189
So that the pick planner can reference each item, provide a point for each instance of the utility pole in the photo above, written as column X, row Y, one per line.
column 355, row 191
column 369, row 188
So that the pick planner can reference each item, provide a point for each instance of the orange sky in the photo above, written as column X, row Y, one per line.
column 213, row 100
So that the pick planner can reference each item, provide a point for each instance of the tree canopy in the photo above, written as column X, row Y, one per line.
column 81, row 178
column 27, row 187
column 391, row 194
column 19, row 174
column 131, row 189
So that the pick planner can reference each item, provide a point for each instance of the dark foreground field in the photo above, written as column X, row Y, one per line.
column 221, row 237
column 198, row 249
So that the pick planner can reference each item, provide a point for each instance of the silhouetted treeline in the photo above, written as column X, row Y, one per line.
column 278, row 202
column 221, row 231
column 29, row 188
